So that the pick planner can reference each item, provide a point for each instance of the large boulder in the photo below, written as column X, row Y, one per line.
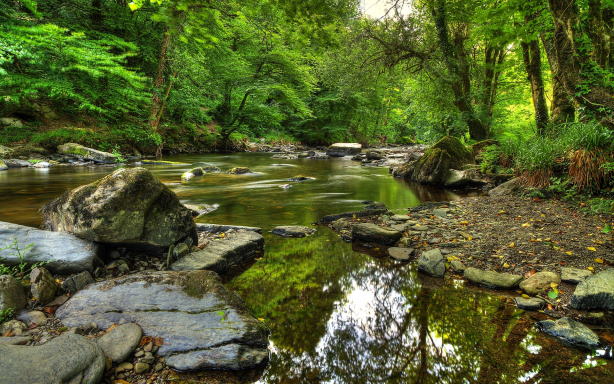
column 68, row 358
column 62, row 253
column 12, row 295
column 595, row 292
column 85, row 153
column 373, row 233
column 435, row 165
column 224, row 254
column 201, row 324
column 432, row 263
column 130, row 206
column 343, row 149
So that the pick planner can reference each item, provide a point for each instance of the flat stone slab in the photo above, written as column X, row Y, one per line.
column 219, row 228
column 61, row 252
column 68, row 358
column 344, row 149
column 595, row 292
column 570, row 332
column 202, row 325
column 78, row 150
column 401, row 254
column 574, row 275
column 222, row 255
column 293, row 231
column 530, row 304
column 492, row 279
column 373, row 233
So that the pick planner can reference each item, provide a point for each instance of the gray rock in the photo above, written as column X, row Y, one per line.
column 457, row 266
column 225, row 254
column 432, row 263
column 32, row 317
column 574, row 275
column 441, row 212
column 219, row 228
column 539, row 282
column 343, row 149
column 16, row 163
column 201, row 323
column 492, row 279
column 595, row 292
column 43, row 287
column 41, row 164
column 202, row 209
column 12, row 294
column 141, row 368
column 5, row 151
column 374, row 155
column 348, row 215
column 85, row 153
column 119, row 343
column 401, row 254
column 400, row 217
column 61, row 252
column 12, row 122
column 14, row 340
column 188, row 175
column 570, row 332
column 67, row 359
column 508, row 188
column 370, row 232
column 531, row 304
column 130, row 206
column 463, row 178
column 77, row 282
column 293, row 231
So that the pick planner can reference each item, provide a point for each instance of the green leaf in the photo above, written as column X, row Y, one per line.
column 553, row 294
column 607, row 229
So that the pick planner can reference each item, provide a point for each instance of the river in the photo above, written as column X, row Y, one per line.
column 337, row 315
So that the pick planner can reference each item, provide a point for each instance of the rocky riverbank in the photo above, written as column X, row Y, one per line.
column 548, row 255
column 135, row 290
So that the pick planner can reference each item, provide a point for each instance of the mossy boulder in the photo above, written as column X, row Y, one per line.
column 434, row 166
column 130, row 206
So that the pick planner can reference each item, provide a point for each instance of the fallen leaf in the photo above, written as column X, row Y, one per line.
column 569, row 253
column 526, row 225
column 592, row 249
column 599, row 260
column 506, row 265
column 590, row 268
column 511, row 245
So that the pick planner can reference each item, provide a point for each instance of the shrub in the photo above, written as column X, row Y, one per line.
column 535, row 160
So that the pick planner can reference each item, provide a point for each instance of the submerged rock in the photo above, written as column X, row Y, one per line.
column 301, row 178
column 68, row 358
column 343, row 149
column 201, row 209
column 201, row 324
column 219, row 228
column 79, row 151
column 130, row 206
column 293, row 231
column 12, row 295
column 372, row 233
column 492, row 279
column 188, row 175
column 595, row 292
column 223, row 255
column 570, row 332
column 239, row 171
column 61, row 252
column 432, row 263
column 539, row 282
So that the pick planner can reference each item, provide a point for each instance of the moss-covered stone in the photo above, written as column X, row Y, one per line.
column 459, row 154
column 3, row 166
column 78, row 150
column 434, row 166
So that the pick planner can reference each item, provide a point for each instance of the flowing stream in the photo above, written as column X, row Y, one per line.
column 337, row 315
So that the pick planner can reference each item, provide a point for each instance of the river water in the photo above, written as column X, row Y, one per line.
column 337, row 315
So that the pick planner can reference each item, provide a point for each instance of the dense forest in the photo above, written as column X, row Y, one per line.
column 168, row 76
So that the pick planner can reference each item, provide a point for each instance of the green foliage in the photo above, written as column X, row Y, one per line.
column 52, row 138
column 6, row 314
column 589, row 136
column 21, row 269
column 491, row 158
column 539, row 153
column 601, row 205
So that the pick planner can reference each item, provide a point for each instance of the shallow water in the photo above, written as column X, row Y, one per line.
column 337, row 315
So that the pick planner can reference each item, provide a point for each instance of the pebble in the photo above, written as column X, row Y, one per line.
column 124, row 367
column 141, row 367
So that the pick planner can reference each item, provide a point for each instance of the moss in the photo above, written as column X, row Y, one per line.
column 459, row 154
column 432, row 167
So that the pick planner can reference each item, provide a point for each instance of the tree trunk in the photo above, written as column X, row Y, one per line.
column 597, row 32
column 532, row 63
column 455, row 58
column 493, row 58
column 158, row 84
column 562, row 108
column 597, row 100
